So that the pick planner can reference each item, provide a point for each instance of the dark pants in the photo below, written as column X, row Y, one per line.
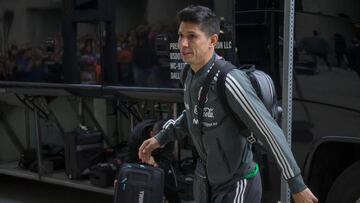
column 323, row 57
column 238, row 190
column 341, row 57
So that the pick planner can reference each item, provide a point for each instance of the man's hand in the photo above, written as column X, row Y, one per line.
column 152, row 162
column 305, row 196
column 146, row 149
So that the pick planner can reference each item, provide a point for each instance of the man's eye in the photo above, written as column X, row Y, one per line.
column 191, row 36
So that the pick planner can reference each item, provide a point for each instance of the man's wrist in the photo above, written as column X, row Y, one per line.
column 161, row 138
column 296, row 184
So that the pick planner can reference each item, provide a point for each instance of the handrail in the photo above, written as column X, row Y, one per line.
column 93, row 90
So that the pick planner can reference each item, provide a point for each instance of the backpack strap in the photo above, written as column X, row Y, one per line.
column 225, row 67
column 204, row 91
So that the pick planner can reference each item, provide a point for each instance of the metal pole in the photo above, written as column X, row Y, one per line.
column 55, row 120
column 289, row 14
column 11, row 133
column 38, row 143
column 116, row 136
column 132, row 122
column 81, row 111
column 2, row 36
column 27, row 127
column 176, row 144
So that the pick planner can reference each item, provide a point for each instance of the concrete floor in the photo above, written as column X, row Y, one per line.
column 19, row 190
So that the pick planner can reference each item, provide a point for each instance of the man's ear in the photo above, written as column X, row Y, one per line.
column 214, row 40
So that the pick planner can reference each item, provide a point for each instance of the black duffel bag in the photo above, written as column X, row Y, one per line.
column 52, row 156
column 103, row 174
column 84, row 148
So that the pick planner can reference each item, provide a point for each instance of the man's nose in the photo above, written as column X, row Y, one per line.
column 183, row 42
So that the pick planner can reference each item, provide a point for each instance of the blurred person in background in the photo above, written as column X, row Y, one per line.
column 354, row 55
column 340, row 49
column 88, row 61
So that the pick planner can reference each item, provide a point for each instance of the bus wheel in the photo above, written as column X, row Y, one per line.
column 345, row 188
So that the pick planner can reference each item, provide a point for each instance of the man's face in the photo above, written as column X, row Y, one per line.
column 195, row 46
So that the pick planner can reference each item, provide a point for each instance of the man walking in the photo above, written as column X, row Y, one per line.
column 225, row 171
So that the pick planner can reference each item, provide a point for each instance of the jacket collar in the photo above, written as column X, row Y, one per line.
column 206, row 67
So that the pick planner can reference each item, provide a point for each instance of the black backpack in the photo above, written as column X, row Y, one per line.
column 261, row 82
column 138, row 135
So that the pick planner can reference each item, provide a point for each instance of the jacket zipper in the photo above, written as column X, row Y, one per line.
column 223, row 154
column 201, row 144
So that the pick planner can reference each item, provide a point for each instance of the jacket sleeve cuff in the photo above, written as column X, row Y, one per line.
column 296, row 184
column 161, row 138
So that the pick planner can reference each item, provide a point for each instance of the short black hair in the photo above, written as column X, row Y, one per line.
column 203, row 16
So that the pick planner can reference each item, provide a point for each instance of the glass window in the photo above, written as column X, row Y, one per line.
column 30, row 40
column 52, row 42
column 147, row 51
